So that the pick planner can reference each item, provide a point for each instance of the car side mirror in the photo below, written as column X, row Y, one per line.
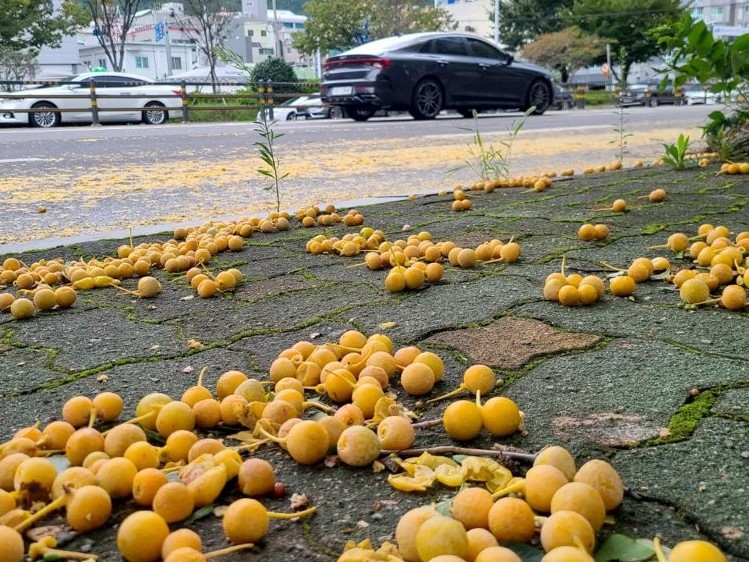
column 510, row 59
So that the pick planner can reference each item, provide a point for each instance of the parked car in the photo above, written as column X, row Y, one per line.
column 290, row 109
column 697, row 94
column 651, row 95
column 133, row 97
column 424, row 73
column 314, row 108
column 562, row 98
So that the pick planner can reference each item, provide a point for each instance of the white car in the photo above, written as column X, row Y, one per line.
column 291, row 109
column 120, row 97
column 695, row 94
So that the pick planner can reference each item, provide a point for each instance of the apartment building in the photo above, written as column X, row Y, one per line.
column 726, row 18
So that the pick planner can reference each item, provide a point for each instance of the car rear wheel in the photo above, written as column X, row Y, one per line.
column 154, row 114
column 360, row 113
column 538, row 97
column 653, row 102
column 44, row 119
column 427, row 100
column 291, row 116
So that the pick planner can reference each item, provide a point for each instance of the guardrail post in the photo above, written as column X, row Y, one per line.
column 261, row 95
column 269, row 90
column 94, row 103
column 185, row 100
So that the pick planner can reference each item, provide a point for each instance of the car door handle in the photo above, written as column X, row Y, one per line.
column 442, row 62
column 485, row 65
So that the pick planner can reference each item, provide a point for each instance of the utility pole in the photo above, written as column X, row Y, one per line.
column 277, row 43
column 169, row 68
column 496, row 21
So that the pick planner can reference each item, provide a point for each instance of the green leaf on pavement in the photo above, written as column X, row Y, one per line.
column 526, row 553
column 625, row 549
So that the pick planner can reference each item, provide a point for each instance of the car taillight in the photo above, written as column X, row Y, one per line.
column 376, row 62
column 177, row 92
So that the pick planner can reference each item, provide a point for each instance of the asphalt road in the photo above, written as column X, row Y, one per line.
column 95, row 181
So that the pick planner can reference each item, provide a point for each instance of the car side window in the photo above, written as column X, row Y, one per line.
column 107, row 82
column 454, row 46
column 486, row 51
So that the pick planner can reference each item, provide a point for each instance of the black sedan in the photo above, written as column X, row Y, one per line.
column 424, row 73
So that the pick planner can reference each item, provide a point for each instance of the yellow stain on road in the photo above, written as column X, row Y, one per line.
column 193, row 187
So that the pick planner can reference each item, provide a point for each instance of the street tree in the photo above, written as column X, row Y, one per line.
column 335, row 25
column 566, row 51
column 28, row 25
column 523, row 21
column 207, row 22
column 278, row 71
column 627, row 25
column 15, row 66
column 112, row 22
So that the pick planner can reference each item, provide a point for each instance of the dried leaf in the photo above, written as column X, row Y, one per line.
column 102, row 378
column 331, row 461
column 377, row 467
column 220, row 510
column 386, row 325
column 195, row 344
column 189, row 369
column 298, row 501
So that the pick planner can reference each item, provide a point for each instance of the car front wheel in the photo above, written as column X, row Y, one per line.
column 539, row 97
column 44, row 119
column 653, row 102
column 154, row 114
column 427, row 100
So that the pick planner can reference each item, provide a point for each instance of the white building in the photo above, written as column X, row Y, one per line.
column 472, row 16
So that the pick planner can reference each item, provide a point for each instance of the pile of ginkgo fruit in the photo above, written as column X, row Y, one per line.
column 715, row 260
column 53, row 284
column 416, row 260
column 112, row 462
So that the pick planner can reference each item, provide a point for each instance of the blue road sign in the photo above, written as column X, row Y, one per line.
column 158, row 30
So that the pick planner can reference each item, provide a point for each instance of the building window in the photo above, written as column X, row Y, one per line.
column 102, row 63
column 263, row 33
column 716, row 12
column 141, row 62
column 176, row 63
column 250, row 33
column 697, row 13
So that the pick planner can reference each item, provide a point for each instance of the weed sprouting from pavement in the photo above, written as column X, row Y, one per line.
column 487, row 160
column 620, row 128
column 676, row 153
column 264, row 128
column 267, row 152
